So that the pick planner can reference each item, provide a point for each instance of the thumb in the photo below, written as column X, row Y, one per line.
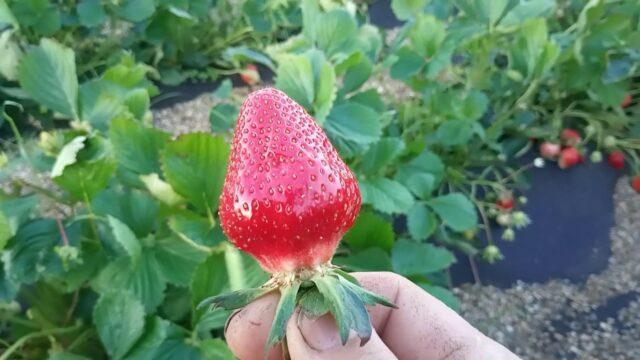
column 317, row 338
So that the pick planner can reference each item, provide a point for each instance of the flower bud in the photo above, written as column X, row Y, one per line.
column 596, row 157
column 609, row 141
column 508, row 234
column 492, row 254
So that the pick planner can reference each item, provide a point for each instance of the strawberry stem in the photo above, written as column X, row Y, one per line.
column 316, row 292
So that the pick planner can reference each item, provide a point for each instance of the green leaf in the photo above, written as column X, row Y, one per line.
column 6, row 16
column 420, row 221
column 223, row 91
column 406, row 9
column 209, row 279
column 161, row 190
column 526, row 10
column 193, row 229
column 325, row 92
column 212, row 320
column 312, row 303
column 63, row 355
column 618, row 68
column 142, row 279
column 474, row 105
column 371, row 259
column 215, row 349
column 455, row 132
column 353, row 124
column 48, row 74
column 178, row 259
column 370, row 230
column 385, row 195
column 195, row 166
column 284, row 310
column 236, row 299
column 442, row 294
column 408, row 64
column 426, row 162
column 455, row 210
column 356, row 75
column 177, row 345
column 421, row 184
column 91, row 13
column 119, row 319
column 347, row 308
column 125, row 238
column 155, row 332
column 484, row 11
column 30, row 252
column 223, row 117
column 381, row 154
column 335, row 32
column 136, row 10
column 410, row 258
column 14, row 212
column 295, row 77
column 6, row 231
column 41, row 15
column 86, row 178
column 133, row 207
column 245, row 54
column 427, row 34
column 68, row 155
column 136, row 147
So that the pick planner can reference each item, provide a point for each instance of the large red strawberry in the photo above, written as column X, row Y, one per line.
column 616, row 159
column 288, row 198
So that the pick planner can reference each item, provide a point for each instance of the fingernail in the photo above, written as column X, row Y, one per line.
column 320, row 333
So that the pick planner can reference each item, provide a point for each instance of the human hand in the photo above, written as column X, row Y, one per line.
column 421, row 328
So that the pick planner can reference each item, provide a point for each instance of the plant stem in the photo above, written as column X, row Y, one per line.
column 235, row 268
column 44, row 333
column 14, row 128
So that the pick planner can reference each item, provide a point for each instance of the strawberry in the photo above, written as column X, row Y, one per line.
column 571, row 137
column 569, row 157
column 505, row 204
column 250, row 75
column 616, row 160
column 635, row 183
column 549, row 150
column 626, row 101
column 288, row 198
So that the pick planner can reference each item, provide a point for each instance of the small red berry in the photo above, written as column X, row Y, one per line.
column 626, row 101
column 616, row 160
column 569, row 157
column 549, row 150
column 635, row 183
column 250, row 75
column 505, row 204
column 571, row 137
